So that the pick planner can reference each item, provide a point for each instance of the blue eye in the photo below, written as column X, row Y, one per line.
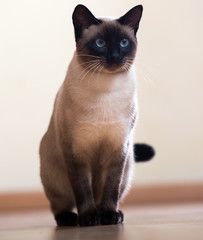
column 124, row 42
column 100, row 43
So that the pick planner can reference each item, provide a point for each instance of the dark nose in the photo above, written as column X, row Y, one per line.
column 115, row 56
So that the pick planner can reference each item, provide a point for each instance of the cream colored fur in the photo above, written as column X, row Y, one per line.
column 102, row 105
column 90, row 108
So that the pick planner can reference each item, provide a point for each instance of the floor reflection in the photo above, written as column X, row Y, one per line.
column 111, row 232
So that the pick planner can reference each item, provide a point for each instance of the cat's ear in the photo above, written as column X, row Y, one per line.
column 132, row 18
column 83, row 18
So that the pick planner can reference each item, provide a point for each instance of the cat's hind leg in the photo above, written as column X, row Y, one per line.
column 58, row 189
column 65, row 217
column 62, row 205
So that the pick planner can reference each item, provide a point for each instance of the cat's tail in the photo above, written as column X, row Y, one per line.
column 143, row 152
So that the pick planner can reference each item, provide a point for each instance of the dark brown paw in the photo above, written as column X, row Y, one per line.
column 89, row 218
column 111, row 217
column 66, row 219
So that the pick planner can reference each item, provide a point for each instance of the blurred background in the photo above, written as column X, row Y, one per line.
column 36, row 45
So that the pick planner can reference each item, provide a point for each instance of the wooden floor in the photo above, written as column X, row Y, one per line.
column 183, row 221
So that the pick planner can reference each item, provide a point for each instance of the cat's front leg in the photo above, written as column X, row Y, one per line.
column 109, row 213
column 79, row 175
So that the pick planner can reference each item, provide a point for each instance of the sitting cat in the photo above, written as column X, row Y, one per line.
column 87, row 152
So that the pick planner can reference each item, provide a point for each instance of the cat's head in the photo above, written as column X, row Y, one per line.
column 105, row 44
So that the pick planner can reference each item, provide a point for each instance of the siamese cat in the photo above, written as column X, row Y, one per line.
column 87, row 152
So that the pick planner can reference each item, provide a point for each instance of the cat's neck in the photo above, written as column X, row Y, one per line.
column 85, row 78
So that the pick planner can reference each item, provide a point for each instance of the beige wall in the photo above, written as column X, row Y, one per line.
column 36, row 44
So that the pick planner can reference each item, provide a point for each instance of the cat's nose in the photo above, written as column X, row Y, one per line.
column 115, row 56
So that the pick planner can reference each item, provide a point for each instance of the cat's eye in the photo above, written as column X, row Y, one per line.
column 124, row 42
column 100, row 42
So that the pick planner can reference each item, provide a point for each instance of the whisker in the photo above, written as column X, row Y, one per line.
column 148, row 67
column 129, row 61
column 98, row 72
column 127, row 66
column 87, row 55
column 81, row 64
column 144, row 76
column 92, row 63
column 91, row 68
column 101, row 67
column 132, row 59
column 147, row 70
column 96, row 67
column 87, row 68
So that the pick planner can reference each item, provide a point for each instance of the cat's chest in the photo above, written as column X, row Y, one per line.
column 105, row 109
column 101, row 110
column 105, row 120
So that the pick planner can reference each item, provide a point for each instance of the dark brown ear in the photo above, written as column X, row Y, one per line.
column 132, row 18
column 83, row 18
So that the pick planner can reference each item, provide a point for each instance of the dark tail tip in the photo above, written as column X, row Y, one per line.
column 143, row 152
